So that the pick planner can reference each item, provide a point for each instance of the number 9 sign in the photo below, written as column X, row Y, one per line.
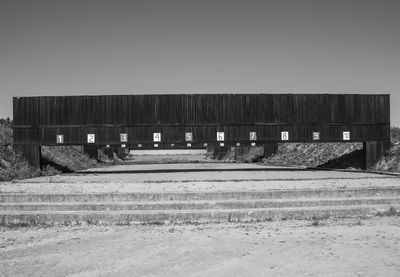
column 220, row 136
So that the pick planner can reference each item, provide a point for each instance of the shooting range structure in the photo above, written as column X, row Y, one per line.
column 176, row 121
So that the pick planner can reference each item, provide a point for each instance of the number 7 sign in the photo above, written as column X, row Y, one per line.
column 253, row 136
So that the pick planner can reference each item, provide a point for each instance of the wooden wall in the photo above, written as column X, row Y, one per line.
column 38, row 120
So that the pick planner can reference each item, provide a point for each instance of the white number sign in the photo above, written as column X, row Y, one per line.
column 156, row 137
column 60, row 139
column 346, row 135
column 285, row 135
column 91, row 138
column 220, row 136
column 253, row 136
column 124, row 137
column 315, row 135
column 188, row 136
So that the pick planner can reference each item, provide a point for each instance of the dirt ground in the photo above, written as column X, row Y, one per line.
column 196, row 181
column 369, row 247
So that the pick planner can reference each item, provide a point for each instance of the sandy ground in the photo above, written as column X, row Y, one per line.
column 368, row 247
column 196, row 181
column 287, row 248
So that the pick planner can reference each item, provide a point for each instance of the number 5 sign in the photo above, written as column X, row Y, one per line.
column 188, row 137
column 220, row 136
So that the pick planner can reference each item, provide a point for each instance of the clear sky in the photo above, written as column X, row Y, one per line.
column 80, row 47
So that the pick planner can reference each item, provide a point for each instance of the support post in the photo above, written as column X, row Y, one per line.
column 32, row 154
column 217, row 152
column 109, row 151
column 373, row 151
column 270, row 148
column 91, row 151
column 121, row 152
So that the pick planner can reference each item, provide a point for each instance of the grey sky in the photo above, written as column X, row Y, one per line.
column 119, row 47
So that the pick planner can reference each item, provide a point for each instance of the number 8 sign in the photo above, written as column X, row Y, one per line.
column 285, row 135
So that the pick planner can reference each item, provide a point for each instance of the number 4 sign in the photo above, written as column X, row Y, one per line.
column 156, row 137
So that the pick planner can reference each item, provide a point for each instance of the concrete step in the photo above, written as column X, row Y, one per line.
column 16, row 218
column 198, row 204
column 214, row 195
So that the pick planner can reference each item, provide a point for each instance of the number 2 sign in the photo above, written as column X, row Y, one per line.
column 91, row 138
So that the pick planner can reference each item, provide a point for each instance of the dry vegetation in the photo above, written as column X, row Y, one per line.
column 312, row 154
column 68, row 157
column 391, row 161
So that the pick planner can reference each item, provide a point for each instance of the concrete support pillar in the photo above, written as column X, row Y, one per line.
column 270, row 148
column 373, row 151
column 91, row 151
column 121, row 152
column 32, row 154
column 217, row 152
column 109, row 152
